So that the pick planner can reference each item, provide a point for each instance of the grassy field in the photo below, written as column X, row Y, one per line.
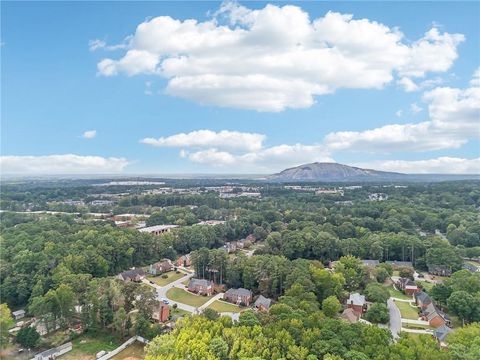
column 179, row 312
column 427, row 286
column 407, row 311
column 133, row 352
column 222, row 306
column 87, row 346
column 160, row 281
column 398, row 294
column 416, row 326
column 416, row 337
column 185, row 297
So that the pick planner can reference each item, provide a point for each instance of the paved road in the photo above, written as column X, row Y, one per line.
column 395, row 318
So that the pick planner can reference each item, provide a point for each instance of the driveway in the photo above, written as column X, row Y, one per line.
column 395, row 318
column 219, row 296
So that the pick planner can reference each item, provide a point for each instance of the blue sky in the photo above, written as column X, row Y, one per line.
column 281, row 96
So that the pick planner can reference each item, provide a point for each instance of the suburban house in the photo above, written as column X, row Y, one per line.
column 357, row 303
column 471, row 267
column 161, row 313
column 350, row 315
column 262, row 303
column 201, row 286
column 441, row 333
column 408, row 286
column 19, row 314
column 160, row 267
column 440, row 270
column 251, row 238
column 238, row 296
column 158, row 229
column 230, row 247
column 184, row 261
column 434, row 316
column 422, row 300
column 398, row 264
column 54, row 353
column 370, row 263
column 135, row 275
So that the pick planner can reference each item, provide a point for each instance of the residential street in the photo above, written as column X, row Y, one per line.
column 395, row 318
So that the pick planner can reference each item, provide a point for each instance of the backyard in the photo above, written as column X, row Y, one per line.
column 185, row 297
column 171, row 277
column 222, row 306
column 133, row 352
column 407, row 311
column 86, row 346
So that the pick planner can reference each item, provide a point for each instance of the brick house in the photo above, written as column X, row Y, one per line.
column 238, row 296
column 434, row 316
column 201, row 286
column 357, row 303
column 422, row 300
column 408, row 286
column 161, row 267
column 135, row 275
column 184, row 261
column 262, row 303
column 161, row 313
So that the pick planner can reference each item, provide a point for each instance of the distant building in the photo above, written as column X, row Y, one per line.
column 158, row 229
column 160, row 267
column 471, row 267
column 398, row 264
column 357, row 303
column 377, row 197
column 201, row 286
column 135, row 275
column 422, row 300
column 161, row 313
column 238, row 296
column 262, row 303
column 184, row 261
column 19, row 314
column 434, row 316
column 54, row 353
column 102, row 202
column 440, row 270
column 211, row 222
column 230, row 247
column 371, row 263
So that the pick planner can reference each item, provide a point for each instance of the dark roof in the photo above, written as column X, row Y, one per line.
column 238, row 292
column 400, row 263
column 423, row 297
column 132, row 273
column 262, row 300
column 441, row 332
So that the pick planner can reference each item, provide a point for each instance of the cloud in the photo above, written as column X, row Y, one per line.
column 97, row 44
column 90, row 134
column 415, row 109
column 441, row 165
column 61, row 164
column 407, row 84
column 224, row 139
column 267, row 159
column 276, row 58
column 454, row 119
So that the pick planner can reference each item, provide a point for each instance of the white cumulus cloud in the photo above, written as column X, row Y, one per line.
column 224, row 139
column 61, row 164
column 454, row 118
column 90, row 134
column 441, row 165
column 277, row 57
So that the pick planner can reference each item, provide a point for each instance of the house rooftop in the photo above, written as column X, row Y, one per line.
column 263, row 301
column 356, row 299
column 199, row 282
column 441, row 332
column 423, row 297
column 370, row 262
column 239, row 292
column 349, row 315
column 157, row 228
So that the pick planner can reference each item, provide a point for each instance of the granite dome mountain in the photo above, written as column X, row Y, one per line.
column 321, row 171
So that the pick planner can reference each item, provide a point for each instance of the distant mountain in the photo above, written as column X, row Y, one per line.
column 332, row 172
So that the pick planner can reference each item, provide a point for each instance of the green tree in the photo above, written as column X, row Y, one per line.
column 6, row 322
column 331, row 306
column 377, row 313
column 377, row 293
column 28, row 337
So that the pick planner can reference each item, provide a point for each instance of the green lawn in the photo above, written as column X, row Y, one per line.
column 427, row 286
column 179, row 312
column 160, row 281
column 398, row 294
column 416, row 326
column 416, row 337
column 407, row 311
column 134, row 351
column 222, row 306
column 185, row 297
column 88, row 345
